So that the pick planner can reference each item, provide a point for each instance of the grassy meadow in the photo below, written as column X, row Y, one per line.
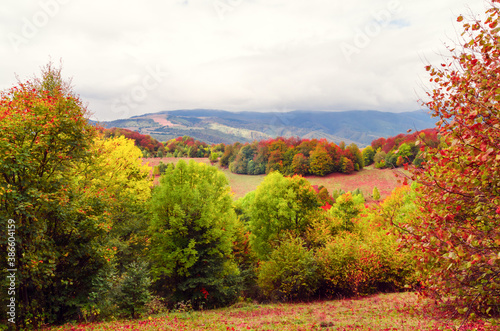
column 392, row 311
column 384, row 179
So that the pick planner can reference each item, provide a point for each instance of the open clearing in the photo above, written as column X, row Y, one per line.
column 394, row 311
column 385, row 180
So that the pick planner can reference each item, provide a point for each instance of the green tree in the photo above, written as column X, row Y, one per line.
column 43, row 135
column 281, row 204
column 357, row 156
column 133, row 289
column 368, row 155
column 346, row 208
column 320, row 162
column 290, row 273
column 192, row 230
column 214, row 157
column 375, row 194
column 404, row 151
column 459, row 227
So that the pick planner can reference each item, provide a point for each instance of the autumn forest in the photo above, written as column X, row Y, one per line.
column 91, row 233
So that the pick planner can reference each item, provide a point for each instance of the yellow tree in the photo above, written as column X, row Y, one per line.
column 60, row 200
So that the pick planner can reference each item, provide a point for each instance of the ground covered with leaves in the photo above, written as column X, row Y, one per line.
column 395, row 311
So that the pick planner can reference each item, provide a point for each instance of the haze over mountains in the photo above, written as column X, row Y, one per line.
column 218, row 126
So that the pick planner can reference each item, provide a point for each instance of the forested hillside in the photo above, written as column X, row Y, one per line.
column 88, row 236
column 215, row 126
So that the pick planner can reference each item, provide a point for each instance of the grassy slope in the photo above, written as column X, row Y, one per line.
column 395, row 311
column 365, row 180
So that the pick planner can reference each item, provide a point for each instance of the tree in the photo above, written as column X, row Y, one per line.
column 320, row 162
column 459, row 223
column 368, row 155
column 291, row 272
column 133, row 286
column 281, row 204
column 214, row 157
column 375, row 193
column 300, row 164
column 346, row 208
column 114, row 187
column 43, row 135
column 357, row 157
column 347, row 165
column 192, row 230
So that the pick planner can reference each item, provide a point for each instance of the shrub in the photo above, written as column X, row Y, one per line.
column 348, row 266
column 290, row 273
column 133, row 289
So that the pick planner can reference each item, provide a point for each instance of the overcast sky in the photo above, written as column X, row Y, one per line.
column 132, row 57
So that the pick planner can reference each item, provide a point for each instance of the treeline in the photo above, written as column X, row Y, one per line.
column 402, row 149
column 290, row 156
column 149, row 146
column 187, row 147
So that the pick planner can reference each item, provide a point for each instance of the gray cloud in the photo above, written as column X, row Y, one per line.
column 130, row 57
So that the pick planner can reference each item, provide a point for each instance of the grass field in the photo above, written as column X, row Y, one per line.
column 385, row 180
column 394, row 311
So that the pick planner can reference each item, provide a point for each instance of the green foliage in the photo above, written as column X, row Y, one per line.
column 375, row 193
column 320, row 162
column 290, row 273
column 192, row 231
column 379, row 159
column 346, row 208
column 133, row 289
column 229, row 155
column 366, row 257
column 356, row 156
column 368, row 155
column 337, row 193
column 404, row 151
column 43, row 134
column 281, row 204
column 214, row 157
column 162, row 167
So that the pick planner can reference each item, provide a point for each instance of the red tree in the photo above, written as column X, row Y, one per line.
column 459, row 226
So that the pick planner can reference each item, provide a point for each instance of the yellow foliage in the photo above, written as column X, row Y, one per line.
column 117, row 170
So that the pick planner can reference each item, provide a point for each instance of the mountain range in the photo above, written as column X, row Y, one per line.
column 218, row 126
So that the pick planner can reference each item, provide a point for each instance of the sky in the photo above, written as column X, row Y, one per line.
column 127, row 58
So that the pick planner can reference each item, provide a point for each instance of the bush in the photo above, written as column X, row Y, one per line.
column 290, row 273
column 133, row 289
column 354, row 264
column 348, row 266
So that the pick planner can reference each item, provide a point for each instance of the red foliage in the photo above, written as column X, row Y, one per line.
column 429, row 137
column 145, row 141
column 326, row 207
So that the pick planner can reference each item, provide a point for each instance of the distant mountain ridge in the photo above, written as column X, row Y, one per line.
column 219, row 126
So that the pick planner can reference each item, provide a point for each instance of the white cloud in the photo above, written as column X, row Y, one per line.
column 131, row 57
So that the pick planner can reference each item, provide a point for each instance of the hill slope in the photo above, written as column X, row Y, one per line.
column 217, row 126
